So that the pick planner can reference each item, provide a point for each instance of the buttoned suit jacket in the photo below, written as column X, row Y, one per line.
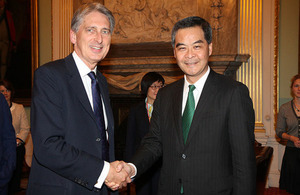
column 66, row 139
column 218, row 157
column 7, row 145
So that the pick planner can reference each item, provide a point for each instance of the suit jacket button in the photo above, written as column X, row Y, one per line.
column 183, row 156
column 98, row 139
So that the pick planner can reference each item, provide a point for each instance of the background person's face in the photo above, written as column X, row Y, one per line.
column 153, row 90
column 296, row 88
column 92, row 41
column 6, row 93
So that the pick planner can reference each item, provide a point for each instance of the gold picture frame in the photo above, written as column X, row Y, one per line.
column 34, row 37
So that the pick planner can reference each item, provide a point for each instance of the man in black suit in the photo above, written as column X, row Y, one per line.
column 216, row 154
column 7, row 145
column 70, row 155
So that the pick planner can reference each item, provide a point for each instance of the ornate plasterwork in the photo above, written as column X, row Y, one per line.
column 147, row 20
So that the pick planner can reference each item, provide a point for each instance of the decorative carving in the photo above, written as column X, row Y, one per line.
column 147, row 20
column 216, row 24
column 223, row 17
column 78, row 3
column 216, row 7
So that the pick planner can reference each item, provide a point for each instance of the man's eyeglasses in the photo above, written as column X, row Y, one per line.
column 156, row 86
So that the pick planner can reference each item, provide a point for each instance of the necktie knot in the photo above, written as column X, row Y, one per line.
column 92, row 75
column 192, row 88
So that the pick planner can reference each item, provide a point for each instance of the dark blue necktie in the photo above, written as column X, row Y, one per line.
column 98, row 111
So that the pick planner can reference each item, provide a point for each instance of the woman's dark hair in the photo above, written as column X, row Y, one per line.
column 149, row 79
column 8, row 85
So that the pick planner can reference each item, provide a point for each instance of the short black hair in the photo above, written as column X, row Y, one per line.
column 192, row 22
column 149, row 79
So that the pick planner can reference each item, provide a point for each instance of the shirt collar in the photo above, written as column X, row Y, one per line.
column 200, row 83
column 81, row 66
column 147, row 102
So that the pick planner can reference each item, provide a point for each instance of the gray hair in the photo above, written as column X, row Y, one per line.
column 192, row 22
column 87, row 8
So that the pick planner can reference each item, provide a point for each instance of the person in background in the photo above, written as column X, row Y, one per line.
column 22, row 127
column 138, row 127
column 7, row 146
column 72, row 123
column 288, row 128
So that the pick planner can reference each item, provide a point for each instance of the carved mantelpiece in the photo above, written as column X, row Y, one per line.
column 223, row 64
column 227, row 64
column 127, row 63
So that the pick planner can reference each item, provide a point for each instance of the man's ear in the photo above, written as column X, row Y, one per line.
column 210, row 47
column 72, row 36
column 174, row 53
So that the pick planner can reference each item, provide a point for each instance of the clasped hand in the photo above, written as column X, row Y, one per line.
column 296, row 141
column 119, row 175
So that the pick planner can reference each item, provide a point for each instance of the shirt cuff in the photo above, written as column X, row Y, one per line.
column 103, row 175
column 135, row 170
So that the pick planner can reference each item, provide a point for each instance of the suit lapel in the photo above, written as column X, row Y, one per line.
column 104, row 95
column 143, row 117
column 108, row 111
column 208, row 91
column 177, row 110
column 77, row 85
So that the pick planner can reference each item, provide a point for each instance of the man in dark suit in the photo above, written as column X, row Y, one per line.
column 215, row 155
column 7, row 145
column 71, row 151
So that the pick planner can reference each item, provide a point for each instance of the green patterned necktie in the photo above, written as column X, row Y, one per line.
column 188, row 113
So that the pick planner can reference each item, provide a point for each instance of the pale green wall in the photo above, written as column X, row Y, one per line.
column 288, row 46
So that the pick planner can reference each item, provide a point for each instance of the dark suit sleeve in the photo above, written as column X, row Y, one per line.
column 55, row 146
column 150, row 149
column 130, row 148
column 7, row 143
column 241, row 134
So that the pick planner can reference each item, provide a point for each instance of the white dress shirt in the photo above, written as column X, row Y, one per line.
column 197, row 91
column 86, row 80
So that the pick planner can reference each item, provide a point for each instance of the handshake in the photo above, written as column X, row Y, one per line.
column 119, row 175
